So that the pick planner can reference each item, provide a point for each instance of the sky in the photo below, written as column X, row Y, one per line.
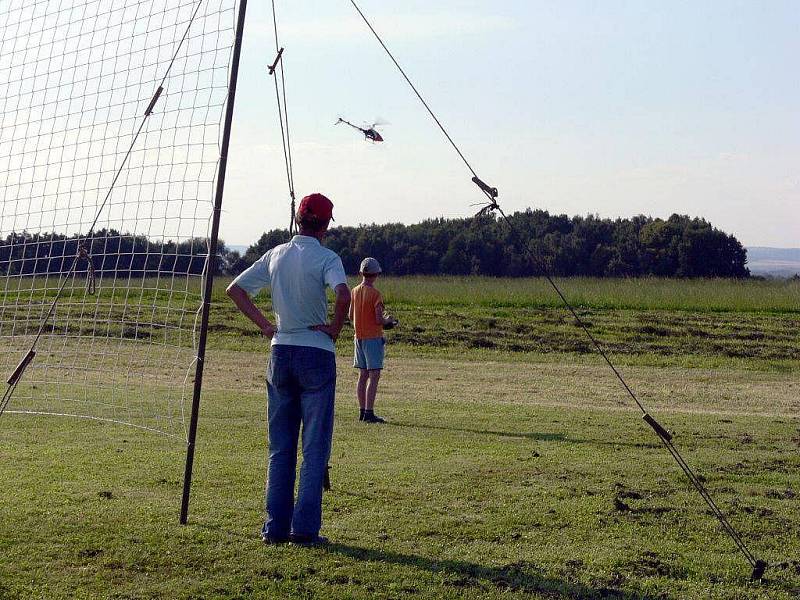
column 615, row 108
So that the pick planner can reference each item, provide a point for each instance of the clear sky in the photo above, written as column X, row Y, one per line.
column 616, row 108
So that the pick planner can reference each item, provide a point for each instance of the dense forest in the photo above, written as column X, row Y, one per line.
column 641, row 246
column 109, row 250
column 590, row 246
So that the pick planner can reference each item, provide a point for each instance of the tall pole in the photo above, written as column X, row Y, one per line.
column 211, row 264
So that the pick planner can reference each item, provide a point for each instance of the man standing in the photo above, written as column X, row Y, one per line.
column 301, row 377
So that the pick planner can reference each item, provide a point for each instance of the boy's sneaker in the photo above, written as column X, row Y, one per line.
column 302, row 539
column 373, row 418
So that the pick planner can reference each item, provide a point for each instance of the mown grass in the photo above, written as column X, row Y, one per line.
column 513, row 465
column 511, row 481
column 712, row 295
column 526, row 317
column 697, row 295
column 695, row 323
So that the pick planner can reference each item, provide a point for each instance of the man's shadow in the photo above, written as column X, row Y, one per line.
column 529, row 435
column 517, row 577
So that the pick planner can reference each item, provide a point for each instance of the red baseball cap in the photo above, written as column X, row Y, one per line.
column 317, row 205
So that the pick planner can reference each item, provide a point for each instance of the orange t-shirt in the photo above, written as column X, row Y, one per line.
column 363, row 303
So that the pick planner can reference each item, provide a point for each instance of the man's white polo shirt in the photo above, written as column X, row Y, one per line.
column 297, row 273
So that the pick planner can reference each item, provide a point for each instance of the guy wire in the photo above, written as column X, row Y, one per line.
column 283, row 116
column 663, row 435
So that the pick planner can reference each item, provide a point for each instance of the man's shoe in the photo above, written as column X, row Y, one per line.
column 272, row 540
column 374, row 419
column 307, row 540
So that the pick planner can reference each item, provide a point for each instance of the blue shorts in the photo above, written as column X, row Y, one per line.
column 368, row 353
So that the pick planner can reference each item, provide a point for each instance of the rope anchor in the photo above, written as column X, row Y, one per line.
column 485, row 187
column 91, row 279
column 272, row 67
column 153, row 101
column 23, row 364
column 491, row 193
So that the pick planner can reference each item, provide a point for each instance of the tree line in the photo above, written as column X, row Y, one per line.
column 679, row 246
column 589, row 246
column 109, row 251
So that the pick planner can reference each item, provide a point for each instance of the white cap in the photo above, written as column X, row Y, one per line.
column 370, row 266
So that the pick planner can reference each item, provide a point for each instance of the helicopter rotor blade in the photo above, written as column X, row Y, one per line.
column 346, row 122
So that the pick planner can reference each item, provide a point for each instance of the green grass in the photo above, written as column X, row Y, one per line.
column 709, row 321
column 514, row 465
column 514, row 481
column 703, row 323
column 698, row 295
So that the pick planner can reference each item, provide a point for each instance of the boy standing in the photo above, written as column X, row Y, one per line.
column 366, row 313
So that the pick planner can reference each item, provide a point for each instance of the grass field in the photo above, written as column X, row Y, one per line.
column 512, row 470
column 705, row 323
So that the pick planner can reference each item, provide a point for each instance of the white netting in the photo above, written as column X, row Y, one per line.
column 76, row 78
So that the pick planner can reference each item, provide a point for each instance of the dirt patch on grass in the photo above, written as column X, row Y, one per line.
column 89, row 553
column 786, row 494
column 650, row 564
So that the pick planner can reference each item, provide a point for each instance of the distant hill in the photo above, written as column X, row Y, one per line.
column 776, row 262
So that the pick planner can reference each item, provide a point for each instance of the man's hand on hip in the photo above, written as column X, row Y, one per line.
column 268, row 330
column 329, row 330
column 332, row 330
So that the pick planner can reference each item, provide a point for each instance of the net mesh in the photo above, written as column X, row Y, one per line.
column 86, row 203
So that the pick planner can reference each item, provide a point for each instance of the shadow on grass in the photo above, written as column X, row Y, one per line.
column 517, row 577
column 246, row 537
column 528, row 435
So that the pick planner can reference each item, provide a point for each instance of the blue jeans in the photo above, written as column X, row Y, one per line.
column 301, row 384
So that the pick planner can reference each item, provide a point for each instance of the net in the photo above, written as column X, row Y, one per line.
column 106, row 212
